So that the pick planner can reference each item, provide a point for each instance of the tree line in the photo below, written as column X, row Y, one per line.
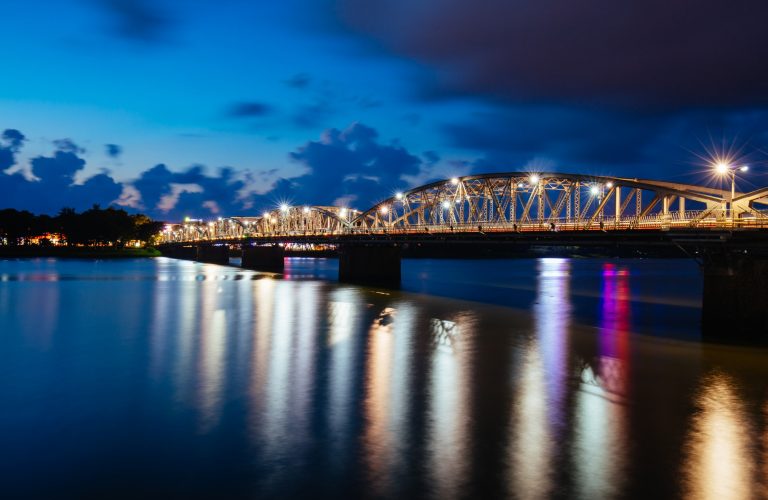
column 92, row 227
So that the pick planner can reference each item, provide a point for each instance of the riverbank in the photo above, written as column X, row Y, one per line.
column 29, row 251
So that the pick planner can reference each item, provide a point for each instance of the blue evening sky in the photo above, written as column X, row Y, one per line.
column 345, row 101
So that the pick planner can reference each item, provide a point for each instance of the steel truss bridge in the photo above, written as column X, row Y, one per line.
column 492, row 204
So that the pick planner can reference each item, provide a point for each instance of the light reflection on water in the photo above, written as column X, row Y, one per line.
column 721, row 453
column 196, row 380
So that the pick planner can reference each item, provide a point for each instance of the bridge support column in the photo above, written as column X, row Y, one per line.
column 179, row 252
column 735, row 305
column 370, row 265
column 266, row 258
column 213, row 254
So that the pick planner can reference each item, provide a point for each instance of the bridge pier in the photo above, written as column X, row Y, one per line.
column 735, row 302
column 213, row 254
column 180, row 252
column 264, row 258
column 370, row 265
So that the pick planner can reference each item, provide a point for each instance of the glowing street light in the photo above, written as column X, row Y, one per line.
column 594, row 190
column 284, row 207
column 534, row 179
column 399, row 195
column 446, row 204
column 343, row 212
column 305, row 210
column 454, row 180
column 725, row 168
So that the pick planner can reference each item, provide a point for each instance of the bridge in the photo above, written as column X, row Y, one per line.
column 725, row 230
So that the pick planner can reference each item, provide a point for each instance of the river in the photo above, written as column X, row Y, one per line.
column 533, row 378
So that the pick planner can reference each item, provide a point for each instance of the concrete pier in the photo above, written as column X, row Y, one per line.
column 180, row 252
column 264, row 258
column 213, row 254
column 370, row 265
column 735, row 298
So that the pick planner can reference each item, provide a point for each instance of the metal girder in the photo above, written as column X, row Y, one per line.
column 517, row 201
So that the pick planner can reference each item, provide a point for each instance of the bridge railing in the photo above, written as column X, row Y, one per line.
column 673, row 220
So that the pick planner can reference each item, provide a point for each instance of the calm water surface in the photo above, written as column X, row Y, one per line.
column 548, row 378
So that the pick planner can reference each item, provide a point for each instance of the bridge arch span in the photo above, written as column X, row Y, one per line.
column 525, row 200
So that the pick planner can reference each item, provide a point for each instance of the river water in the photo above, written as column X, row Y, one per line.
column 540, row 378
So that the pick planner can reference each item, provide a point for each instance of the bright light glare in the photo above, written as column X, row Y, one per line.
column 594, row 190
column 722, row 167
column 384, row 209
column 609, row 185
column 454, row 181
column 446, row 204
column 266, row 214
column 534, row 179
column 399, row 196
column 306, row 210
column 284, row 207
column 744, row 168
column 343, row 212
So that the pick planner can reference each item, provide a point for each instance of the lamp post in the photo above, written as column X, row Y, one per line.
column 725, row 168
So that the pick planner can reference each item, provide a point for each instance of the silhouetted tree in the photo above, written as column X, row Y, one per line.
column 95, row 226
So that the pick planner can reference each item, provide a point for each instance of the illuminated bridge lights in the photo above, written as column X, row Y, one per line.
column 517, row 201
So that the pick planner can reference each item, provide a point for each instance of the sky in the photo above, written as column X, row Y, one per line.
column 206, row 108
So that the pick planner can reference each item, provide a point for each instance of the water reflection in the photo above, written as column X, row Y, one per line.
column 538, row 409
column 228, row 385
column 720, row 456
column 601, row 412
column 448, row 405
column 345, row 309
column 387, row 389
column 212, row 338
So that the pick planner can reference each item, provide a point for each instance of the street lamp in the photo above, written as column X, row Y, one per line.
column 725, row 168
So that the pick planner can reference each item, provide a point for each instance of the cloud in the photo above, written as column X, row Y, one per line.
column 249, row 110
column 68, row 146
column 54, row 185
column 11, row 142
column 665, row 146
column 632, row 54
column 568, row 135
column 349, row 164
column 137, row 20
column 113, row 150
column 299, row 81
column 172, row 195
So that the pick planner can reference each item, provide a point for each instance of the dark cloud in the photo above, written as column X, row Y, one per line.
column 173, row 195
column 248, row 110
column 11, row 141
column 138, row 20
column 13, row 138
column 572, row 136
column 315, row 114
column 68, row 146
column 55, row 186
column 667, row 146
column 349, row 165
column 299, row 81
column 113, row 150
column 634, row 53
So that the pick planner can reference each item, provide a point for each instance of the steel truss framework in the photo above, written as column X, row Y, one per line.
column 514, row 201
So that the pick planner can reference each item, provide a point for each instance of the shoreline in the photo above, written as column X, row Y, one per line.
column 29, row 251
